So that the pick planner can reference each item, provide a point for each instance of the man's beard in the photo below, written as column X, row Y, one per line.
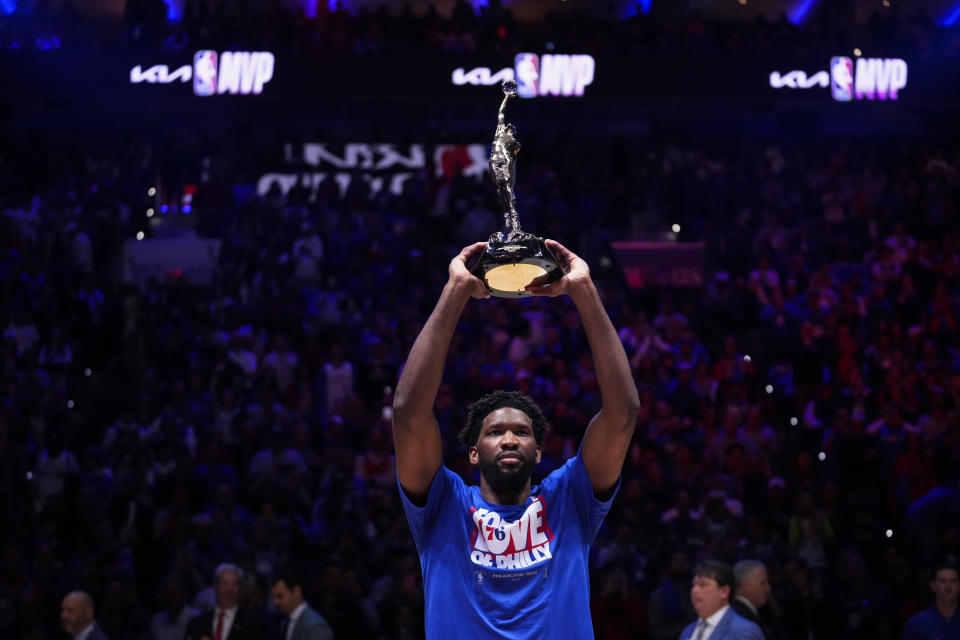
column 507, row 481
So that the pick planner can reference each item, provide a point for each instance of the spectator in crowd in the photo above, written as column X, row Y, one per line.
column 170, row 623
column 229, row 620
column 299, row 620
column 751, row 584
column 710, row 595
column 940, row 619
column 77, row 617
column 669, row 607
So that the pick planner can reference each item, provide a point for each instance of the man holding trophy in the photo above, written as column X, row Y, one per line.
column 507, row 559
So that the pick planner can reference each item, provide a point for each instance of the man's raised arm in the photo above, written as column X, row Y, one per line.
column 415, row 433
column 608, row 437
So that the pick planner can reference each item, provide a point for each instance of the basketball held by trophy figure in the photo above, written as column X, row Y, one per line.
column 513, row 258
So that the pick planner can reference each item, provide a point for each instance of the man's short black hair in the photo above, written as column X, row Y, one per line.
column 291, row 576
column 716, row 570
column 489, row 403
column 944, row 565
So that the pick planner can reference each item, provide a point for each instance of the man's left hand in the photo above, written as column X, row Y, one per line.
column 576, row 273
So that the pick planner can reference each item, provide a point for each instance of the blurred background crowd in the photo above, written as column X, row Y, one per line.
column 397, row 28
column 800, row 407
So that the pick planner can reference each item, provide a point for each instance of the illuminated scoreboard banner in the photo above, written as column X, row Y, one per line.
column 209, row 83
column 231, row 72
column 380, row 165
column 547, row 75
column 849, row 80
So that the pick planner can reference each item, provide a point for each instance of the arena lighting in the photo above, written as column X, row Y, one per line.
column 889, row 533
column 746, row 358
column 821, row 456
column 643, row 7
column 675, row 227
column 69, row 404
column 152, row 191
column 857, row 52
column 88, row 372
column 800, row 10
column 150, row 213
column 174, row 11
column 950, row 17
column 793, row 421
column 768, row 389
column 140, row 235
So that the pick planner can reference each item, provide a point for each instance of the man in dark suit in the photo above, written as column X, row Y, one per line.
column 228, row 621
column 300, row 621
column 751, row 588
column 77, row 619
column 710, row 595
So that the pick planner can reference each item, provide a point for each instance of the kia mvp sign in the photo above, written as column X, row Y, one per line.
column 536, row 75
column 865, row 79
column 230, row 72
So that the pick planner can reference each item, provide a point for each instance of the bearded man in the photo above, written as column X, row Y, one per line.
column 507, row 559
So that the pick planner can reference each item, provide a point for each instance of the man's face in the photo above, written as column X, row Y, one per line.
column 946, row 586
column 506, row 450
column 75, row 615
column 227, row 589
column 707, row 596
column 756, row 588
column 285, row 599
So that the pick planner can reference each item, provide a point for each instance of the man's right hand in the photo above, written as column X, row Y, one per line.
column 460, row 276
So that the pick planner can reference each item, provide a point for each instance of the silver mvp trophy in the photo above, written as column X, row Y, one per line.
column 513, row 258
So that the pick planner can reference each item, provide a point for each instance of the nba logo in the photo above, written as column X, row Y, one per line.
column 527, row 74
column 205, row 72
column 841, row 78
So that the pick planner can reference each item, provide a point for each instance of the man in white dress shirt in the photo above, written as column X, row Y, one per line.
column 228, row 620
column 710, row 595
column 77, row 619
column 300, row 621
column 752, row 592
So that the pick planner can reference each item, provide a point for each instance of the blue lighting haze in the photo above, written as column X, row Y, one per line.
column 950, row 18
column 8, row 6
column 644, row 6
column 173, row 11
column 800, row 10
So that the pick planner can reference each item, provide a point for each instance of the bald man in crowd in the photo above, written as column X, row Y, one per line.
column 751, row 588
column 77, row 619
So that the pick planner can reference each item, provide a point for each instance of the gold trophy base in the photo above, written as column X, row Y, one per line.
column 513, row 277
column 507, row 267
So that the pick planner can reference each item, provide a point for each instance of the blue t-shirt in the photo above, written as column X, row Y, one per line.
column 508, row 571
column 930, row 625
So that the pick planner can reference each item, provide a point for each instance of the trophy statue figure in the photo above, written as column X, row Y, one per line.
column 513, row 258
